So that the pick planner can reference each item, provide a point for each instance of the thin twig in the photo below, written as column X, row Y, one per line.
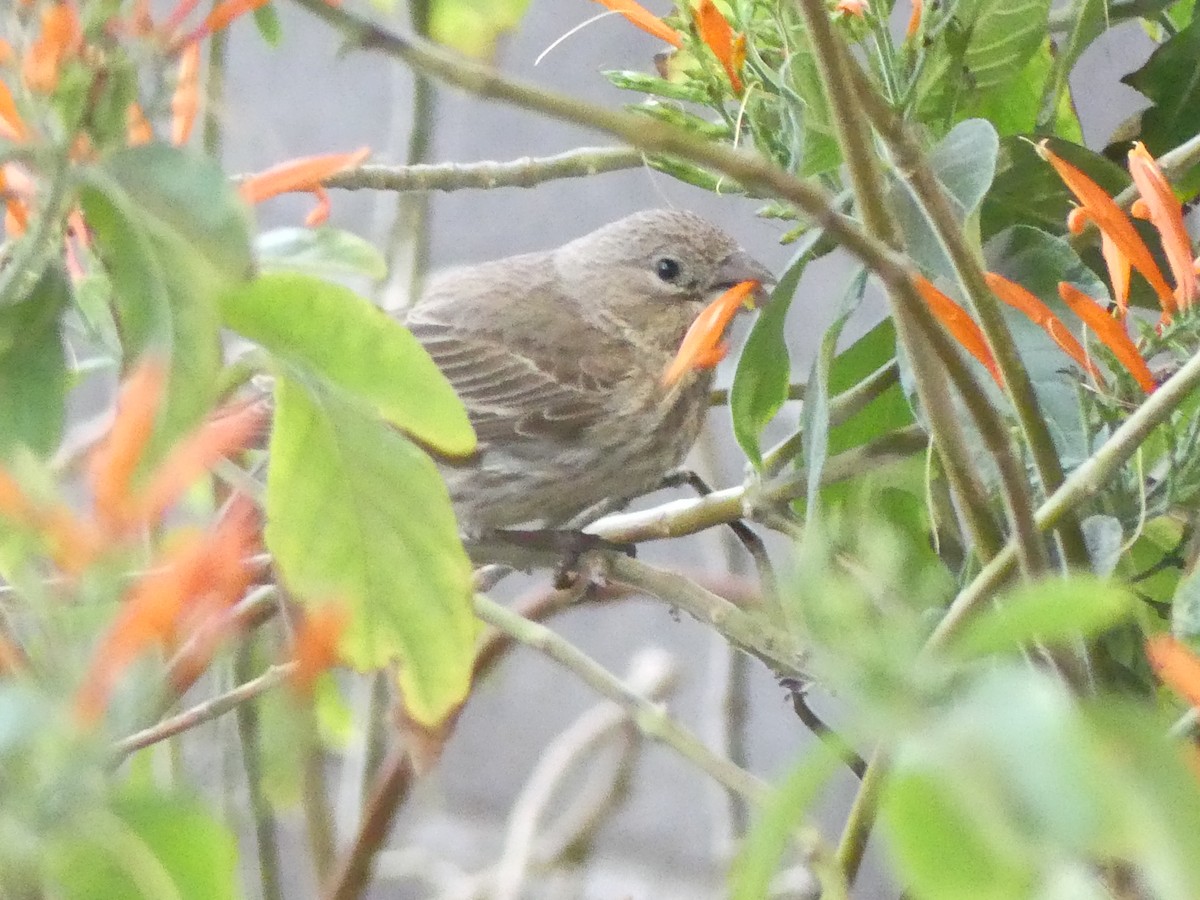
column 526, row 172
column 650, row 720
column 202, row 712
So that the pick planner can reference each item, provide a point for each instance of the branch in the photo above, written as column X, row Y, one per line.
column 748, row 168
column 525, row 173
column 649, row 718
column 202, row 712
column 682, row 517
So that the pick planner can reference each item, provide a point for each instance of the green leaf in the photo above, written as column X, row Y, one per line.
column 333, row 333
column 1050, row 612
column 33, row 368
column 174, row 236
column 1171, row 79
column 888, row 411
column 688, row 91
column 760, row 384
column 814, row 416
column 356, row 513
column 266, row 19
column 152, row 846
column 1014, row 107
column 324, row 252
column 1038, row 261
column 784, row 810
column 964, row 161
column 985, row 45
column 473, row 27
column 942, row 850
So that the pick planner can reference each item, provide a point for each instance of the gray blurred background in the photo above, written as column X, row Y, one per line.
column 671, row 836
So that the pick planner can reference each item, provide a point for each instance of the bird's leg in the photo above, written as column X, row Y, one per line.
column 683, row 477
column 570, row 545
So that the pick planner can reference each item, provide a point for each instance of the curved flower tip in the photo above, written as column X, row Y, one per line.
column 1159, row 204
column 302, row 175
column 1109, row 332
column 1112, row 222
column 914, row 20
column 644, row 19
column 702, row 346
column 959, row 324
column 717, row 34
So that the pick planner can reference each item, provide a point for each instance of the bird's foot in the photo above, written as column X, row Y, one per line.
column 572, row 547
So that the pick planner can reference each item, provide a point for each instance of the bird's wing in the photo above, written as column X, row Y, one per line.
column 509, row 397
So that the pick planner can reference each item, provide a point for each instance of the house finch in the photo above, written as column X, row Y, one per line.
column 559, row 358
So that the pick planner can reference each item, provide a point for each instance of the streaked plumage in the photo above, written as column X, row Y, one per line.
column 558, row 357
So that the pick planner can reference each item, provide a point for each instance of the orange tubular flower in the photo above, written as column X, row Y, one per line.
column 61, row 37
column 186, row 99
column 12, row 127
column 914, row 20
column 645, row 20
column 113, row 463
column 137, row 128
column 1109, row 331
column 303, row 175
column 1177, row 666
column 960, row 325
column 317, row 645
column 719, row 37
column 1165, row 213
column 702, row 346
column 221, row 16
column 1112, row 222
column 1040, row 314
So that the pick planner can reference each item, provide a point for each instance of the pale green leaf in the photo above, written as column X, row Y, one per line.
column 333, row 333
column 473, row 27
column 357, row 514
column 324, row 252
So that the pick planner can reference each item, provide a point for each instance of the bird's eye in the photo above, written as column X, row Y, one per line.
column 667, row 269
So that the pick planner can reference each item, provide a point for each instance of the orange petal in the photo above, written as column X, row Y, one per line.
column 701, row 345
column 298, row 175
column 719, row 37
column 858, row 8
column 1109, row 331
column 222, row 16
column 1177, row 666
column 319, row 214
column 113, row 463
column 914, row 20
column 16, row 212
column 147, row 618
column 1040, row 314
column 137, row 129
column 186, row 100
column 12, row 127
column 227, row 432
column 1113, row 222
column 960, row 325
column 1166, row 214
column 1119, row 271
column 317, row 644
column 182, row 10
column 645, row 20
column 61, row 37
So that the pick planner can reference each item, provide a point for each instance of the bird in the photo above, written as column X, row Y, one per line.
column 558, row 357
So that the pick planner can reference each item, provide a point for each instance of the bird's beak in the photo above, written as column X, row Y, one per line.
column 740, row 266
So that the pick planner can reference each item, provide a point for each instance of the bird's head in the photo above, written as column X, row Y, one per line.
column 651, row 274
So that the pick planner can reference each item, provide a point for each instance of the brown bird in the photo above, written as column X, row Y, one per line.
column 559, row 358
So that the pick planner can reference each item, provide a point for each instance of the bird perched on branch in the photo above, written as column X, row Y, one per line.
column 560, row 359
